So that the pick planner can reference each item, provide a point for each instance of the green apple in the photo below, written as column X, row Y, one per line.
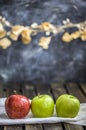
column 67, row 106
column 42, row 106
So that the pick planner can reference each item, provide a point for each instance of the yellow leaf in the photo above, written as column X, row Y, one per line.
column 44, row 42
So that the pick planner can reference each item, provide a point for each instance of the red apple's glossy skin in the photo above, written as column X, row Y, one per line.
column 17, row 106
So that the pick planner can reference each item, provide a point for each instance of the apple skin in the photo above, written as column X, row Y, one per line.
column 67, row 106
column 42, row 106
column 17, row 106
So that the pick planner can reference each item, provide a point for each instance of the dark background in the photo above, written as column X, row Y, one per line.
column 30, row 63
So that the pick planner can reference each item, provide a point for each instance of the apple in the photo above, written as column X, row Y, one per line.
column 17, row 106
column 42, row 106
column 67, row 106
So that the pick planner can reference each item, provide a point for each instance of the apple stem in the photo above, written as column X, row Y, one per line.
column 14, row 92
column 38, row 94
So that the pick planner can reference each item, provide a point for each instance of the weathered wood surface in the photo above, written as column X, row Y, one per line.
column 55, row 90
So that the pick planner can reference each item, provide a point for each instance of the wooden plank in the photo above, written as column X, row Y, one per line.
column 1, row 127
column 11, row 87
column 74, row 89
column 14, row 127
column 43, row 89
column 57, row 90
column 2, row 92
column 56, row 126
column 72, row 127
column 34, row 127
column 83, row 86
column 84, row 127
column 28, row 90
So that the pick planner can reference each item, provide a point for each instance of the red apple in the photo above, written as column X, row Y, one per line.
column 17, row 106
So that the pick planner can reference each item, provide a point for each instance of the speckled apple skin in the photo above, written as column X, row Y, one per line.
column 17, row 106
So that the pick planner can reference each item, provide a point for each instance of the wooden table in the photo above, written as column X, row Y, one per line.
column 56, row 89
